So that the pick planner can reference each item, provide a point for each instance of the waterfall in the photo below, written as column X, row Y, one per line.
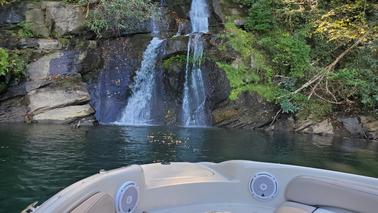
column 194, row 110
column 139, row 109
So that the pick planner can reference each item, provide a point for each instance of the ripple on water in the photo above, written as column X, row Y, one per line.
column 39, row 160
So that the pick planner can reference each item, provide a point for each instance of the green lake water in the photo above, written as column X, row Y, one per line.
column 36, row 161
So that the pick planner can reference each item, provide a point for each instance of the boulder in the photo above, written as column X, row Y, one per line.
column 35, row 19
column 64, row 115
column 57, row 96
column 249, row 111
column 64, row 19
column 370, row 124
column 65, row 62
column 324, row 127
column 352, row 125
column 86, row 121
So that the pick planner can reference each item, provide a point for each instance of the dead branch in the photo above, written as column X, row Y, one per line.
column 320, row 76
column 275, row 117
column 326, row 100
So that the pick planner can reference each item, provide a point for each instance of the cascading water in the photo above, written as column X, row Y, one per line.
column 141, row 105
column 139, row 108
column 194, row 110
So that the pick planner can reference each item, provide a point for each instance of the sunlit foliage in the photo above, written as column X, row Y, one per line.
column 114, row 16
column 302, row 38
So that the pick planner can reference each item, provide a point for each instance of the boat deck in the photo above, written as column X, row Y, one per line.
column 217, row 208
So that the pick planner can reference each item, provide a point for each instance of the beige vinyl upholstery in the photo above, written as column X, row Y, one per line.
column 98, row 203
column 291, row 207
column 316, row 191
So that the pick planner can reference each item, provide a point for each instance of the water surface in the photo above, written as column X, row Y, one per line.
column 37, row 161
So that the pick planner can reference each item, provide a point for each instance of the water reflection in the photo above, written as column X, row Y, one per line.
column 37, row 161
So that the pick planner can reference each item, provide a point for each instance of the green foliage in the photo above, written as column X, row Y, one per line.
column 344, row 23
column 4, row 56
column 240, row 78
column 294, row 40
column 269, row 92
column 11, row 64
column 313, row 109
column 356, row 85
column 244, row 43
column 179, row 60
column 290, row 55
column 114, row 16
column 239, row 40
column 260, row 16
column 24, row 30
column 288, row 107
column 250, row 69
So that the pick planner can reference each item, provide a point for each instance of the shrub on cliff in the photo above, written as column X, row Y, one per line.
column 114, row 16
column 12, row 67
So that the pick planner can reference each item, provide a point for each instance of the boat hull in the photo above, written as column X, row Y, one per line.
column 231, row 186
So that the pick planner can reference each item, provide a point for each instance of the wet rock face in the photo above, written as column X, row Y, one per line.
column 181, row 10
column 110, row 88
column 174, row 68
column 217, row 84
column 249, row 111
column 174, row 46
column 181, row 7
column 13, row 110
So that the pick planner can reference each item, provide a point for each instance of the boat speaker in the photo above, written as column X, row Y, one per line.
column 263, row 186
column 127, row 198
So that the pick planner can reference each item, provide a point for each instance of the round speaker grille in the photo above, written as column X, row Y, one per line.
column 127, row 198
column 263, row 186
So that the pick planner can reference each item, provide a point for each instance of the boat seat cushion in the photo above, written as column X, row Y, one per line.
column 97, row 203
column 316, row 191
column 291, row 207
